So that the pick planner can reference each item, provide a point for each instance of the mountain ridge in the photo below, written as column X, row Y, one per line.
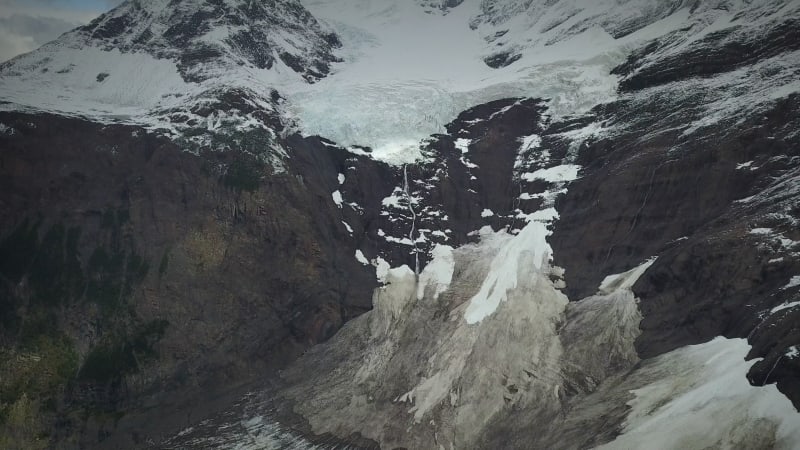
column 550, row 214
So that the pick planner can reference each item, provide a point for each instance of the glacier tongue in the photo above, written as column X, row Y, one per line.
column 396, row 87
column 390, row 89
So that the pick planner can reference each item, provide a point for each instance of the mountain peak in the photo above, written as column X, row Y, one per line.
column 171, row 65
column 204, row 34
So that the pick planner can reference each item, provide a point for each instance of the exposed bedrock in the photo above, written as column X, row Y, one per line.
column 107, row 230
column 695, row 202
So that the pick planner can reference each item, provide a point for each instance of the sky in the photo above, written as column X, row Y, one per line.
column 27, row 24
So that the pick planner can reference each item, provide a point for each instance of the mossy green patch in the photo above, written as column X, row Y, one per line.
column 38, row 363
column 243, row 175
column 38, row 370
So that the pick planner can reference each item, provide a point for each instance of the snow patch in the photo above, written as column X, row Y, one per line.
column 530, row 142
column 487, row 213
column 135, row 84
column 341, row 178
column 397, row 152
column 5, row 129
column 793, row 282
column 361, row 258
column 513, row 251
column 347, row 226
column 545, row 216
column 557, row 174
column 337, row 198
column 744, row 165
column 700, row 398
column 401, row 86
column 784, row 306
column 438, row 273
column 382, row 269
column 625, row 280
column 401, row 241
column 462, row 144
column 397, row 199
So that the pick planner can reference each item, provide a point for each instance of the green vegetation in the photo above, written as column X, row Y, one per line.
column 22, row 426
column 42, row 365
column 113, row 270
column 32, row 380
column 105, row 278
column 123, row 356
column 113, row 220
column 45, row 276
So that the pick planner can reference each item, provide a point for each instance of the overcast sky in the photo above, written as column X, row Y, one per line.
column 27, row 24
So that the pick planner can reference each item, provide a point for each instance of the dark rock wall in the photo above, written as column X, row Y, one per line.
column 653, row 191
column 175, row 272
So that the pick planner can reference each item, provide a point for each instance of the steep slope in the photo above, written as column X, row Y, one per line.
column 564, row 213
column 397, row 87
column 208, row 38
column 149, row 246
column 197, row 71
column 471, row 353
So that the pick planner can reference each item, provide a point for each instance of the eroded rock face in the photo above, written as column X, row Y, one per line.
column 243, row 269
column 690, row 200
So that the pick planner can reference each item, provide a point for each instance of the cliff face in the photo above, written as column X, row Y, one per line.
column 725, row 249
column 162, row 273
column 598, row 230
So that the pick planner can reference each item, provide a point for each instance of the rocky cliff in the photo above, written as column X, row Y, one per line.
column 285, row 225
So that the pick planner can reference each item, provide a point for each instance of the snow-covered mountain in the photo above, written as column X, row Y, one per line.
column 175, row 66
column 158, row 63
column 408, row 224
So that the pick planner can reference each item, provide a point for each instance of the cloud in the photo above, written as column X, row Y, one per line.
column 13, row 44
column 22, row 33
column 40, row 29
column 24, row 26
